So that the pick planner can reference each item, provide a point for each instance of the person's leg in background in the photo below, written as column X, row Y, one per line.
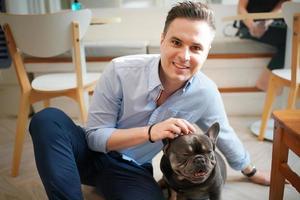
column 60, row 150
column 275, row 36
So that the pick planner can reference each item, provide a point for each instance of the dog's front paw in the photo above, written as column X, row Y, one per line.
column 172, row 195
column 162, row 184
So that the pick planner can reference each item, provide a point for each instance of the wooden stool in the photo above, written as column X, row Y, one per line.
column 286, row 137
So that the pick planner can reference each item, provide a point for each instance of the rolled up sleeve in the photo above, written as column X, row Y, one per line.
column 104, row 110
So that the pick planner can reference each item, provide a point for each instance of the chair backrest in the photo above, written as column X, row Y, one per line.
column 289, row 9
column 291, row 14
column 46, row 35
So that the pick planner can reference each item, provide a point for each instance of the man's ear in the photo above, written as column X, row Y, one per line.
column 162, row 37
column 213, row 132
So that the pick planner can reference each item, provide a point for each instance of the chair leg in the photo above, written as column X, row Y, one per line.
column 293, row 94
column 20, row 134
column 46, row 103
column 273, row 88
column 82, row 105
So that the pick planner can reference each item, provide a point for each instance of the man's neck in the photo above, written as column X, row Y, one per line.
column 169, row 88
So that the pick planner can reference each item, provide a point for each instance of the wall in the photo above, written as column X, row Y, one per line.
column 32, row 6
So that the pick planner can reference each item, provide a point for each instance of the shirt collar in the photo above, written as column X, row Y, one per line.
column 188, row 84
column 154, row 80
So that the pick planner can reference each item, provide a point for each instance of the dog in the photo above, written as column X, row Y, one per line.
column 191, row 167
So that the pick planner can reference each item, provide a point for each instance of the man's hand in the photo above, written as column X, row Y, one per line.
column 171, row 128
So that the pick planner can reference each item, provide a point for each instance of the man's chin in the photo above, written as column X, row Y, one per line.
column 181, row 78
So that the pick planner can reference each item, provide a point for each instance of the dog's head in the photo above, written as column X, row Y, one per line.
column 192, row 156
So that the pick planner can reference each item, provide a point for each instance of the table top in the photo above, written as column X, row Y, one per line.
column 290, row 119
column 100, row 21
column 263, row 15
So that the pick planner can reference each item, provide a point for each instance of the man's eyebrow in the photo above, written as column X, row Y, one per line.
column 193, row 44
column 175, row 38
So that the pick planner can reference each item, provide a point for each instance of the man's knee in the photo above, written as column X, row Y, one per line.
column 44, row 119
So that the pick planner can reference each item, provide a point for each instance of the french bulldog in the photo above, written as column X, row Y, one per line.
column 191, row 167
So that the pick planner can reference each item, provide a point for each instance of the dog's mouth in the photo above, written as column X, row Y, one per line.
column 200, row 173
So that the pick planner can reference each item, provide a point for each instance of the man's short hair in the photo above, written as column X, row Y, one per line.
column 191, row 10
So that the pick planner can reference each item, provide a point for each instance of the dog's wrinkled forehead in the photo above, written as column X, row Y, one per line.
column 194, row 142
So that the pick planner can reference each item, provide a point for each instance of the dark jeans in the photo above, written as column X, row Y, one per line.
column 64, row 162
column 274, row 36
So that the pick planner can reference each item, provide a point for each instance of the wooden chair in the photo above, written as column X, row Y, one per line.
column 286, row 137
column 285, row 77
column 47, row 35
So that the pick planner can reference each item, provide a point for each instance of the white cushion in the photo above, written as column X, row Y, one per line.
column 61, row 81
column 285, row 74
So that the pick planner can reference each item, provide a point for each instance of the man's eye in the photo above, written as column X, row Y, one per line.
column 196, row 48
column 175, row 42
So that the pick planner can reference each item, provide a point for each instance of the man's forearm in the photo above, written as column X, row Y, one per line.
column 125, row 138
column 242, row 5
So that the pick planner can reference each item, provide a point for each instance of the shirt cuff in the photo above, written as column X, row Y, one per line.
column 97, row 138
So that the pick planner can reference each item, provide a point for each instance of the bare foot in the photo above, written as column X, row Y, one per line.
column 256, row 176
column 261, row 178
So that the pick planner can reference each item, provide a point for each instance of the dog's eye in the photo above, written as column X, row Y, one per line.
column 185, row 154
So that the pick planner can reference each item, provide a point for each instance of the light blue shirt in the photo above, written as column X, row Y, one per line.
column 125, row 97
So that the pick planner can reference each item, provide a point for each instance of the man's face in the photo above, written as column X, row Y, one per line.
column 184, row 48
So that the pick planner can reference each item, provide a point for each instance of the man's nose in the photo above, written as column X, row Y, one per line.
column 185, row 54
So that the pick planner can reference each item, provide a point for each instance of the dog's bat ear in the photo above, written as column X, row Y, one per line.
column 213, row 132
column 166, row 143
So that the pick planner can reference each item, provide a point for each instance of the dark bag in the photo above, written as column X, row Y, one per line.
column 5, row 59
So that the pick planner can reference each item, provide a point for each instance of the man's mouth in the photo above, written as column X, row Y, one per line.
column 180, row 66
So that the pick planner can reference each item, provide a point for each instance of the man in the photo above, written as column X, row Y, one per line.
column 138, row 101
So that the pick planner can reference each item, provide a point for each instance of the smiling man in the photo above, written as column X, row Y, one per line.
column 183, row 52
column 138, row 101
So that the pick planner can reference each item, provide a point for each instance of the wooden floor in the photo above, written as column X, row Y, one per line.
column 28, row 185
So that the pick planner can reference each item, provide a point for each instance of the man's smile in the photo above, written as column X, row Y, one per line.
column 180, row 66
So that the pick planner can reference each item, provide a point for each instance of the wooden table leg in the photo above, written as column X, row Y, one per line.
column 279, row 156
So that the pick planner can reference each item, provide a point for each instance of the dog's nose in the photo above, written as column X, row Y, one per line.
column 199, row 161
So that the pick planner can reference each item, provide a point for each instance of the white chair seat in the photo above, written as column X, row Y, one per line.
column 61, row 81
column 284, row 73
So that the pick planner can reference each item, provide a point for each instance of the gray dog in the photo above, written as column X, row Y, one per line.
column 192, row 168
